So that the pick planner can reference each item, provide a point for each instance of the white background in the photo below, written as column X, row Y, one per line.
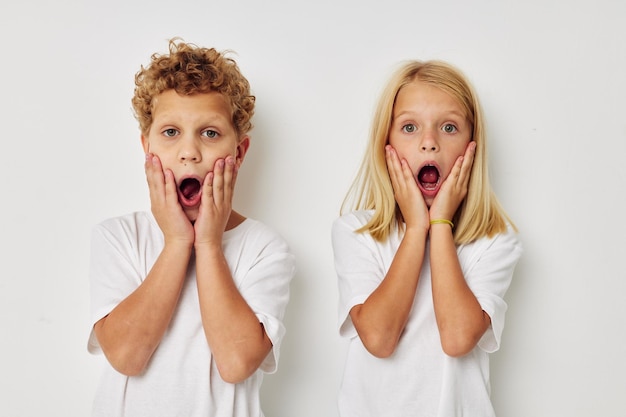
column 551, row 76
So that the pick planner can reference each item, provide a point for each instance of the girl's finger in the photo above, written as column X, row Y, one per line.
column 455, row 173
column 407, row 174
column 468, row 161
column 392, row 165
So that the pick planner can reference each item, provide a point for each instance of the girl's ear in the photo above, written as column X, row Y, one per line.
column 242, row 149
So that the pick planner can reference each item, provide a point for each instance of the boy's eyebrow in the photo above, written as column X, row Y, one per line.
column 210, row 118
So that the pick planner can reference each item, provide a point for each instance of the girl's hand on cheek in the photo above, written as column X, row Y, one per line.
column 216, row 205
column 454, row 188
column 406, row 192
column 164, row 202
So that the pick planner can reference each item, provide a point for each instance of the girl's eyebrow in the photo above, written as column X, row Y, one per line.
column 445, row 113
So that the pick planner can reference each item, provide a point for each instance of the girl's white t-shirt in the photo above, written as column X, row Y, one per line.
column 418, row 379
column 181, row 378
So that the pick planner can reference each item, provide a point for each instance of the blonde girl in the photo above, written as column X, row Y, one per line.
column 424, row 255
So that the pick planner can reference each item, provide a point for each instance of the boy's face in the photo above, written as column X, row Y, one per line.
column 430, row 130
column 188, row 134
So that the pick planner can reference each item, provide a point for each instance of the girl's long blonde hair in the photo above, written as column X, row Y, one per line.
column 480, row 214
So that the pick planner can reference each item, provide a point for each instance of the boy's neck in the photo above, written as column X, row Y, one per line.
column 234, row 220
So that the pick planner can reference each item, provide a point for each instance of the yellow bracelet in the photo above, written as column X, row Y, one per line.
column 442, row 221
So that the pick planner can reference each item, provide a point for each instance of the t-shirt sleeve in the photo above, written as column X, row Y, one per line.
column 112, row 274
column 489, row 276
column 266, row 290
column 359, row 270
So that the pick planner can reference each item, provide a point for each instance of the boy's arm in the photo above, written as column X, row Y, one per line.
column 236, row 337
column 131, row 332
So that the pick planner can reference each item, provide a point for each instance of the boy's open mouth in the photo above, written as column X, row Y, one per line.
column 190, row 191
column 428, row 177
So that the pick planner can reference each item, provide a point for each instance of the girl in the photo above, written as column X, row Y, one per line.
column 425, row 258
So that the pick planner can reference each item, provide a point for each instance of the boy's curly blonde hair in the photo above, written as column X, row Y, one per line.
column 189, row 69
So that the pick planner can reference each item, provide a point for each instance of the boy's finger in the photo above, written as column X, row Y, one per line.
column 171, row 191
column 154, row 174
column 218, row 180
column 208, row 185
column 230, row 174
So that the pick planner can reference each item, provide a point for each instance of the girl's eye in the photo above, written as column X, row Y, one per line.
column 409, row 128
column 211, row 134
column 449, row 128
column 170, row 132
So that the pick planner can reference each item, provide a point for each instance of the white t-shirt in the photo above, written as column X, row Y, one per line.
column 181, row 378
column 418, row 379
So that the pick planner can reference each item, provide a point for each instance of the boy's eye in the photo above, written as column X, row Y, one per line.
column 449, row 128
column 409, row 128
column 170, row 132
column 212, row 134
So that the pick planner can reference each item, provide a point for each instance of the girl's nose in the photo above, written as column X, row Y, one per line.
column 429, row 141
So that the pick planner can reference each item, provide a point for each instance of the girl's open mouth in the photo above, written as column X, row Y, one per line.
column 429, row 179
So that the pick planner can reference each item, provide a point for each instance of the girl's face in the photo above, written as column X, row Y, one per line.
column 430, row 130
column 188, row 134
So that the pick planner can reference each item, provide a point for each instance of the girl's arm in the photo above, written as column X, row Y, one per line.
column 237, row 339
column 131, row 332
column 460, row 318
column 382, row 318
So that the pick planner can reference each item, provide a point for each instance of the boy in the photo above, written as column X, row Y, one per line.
column 188, row 300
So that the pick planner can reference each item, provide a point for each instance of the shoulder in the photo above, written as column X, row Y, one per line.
column 347, row 236
column 252, row 245
column 353, row 220
column 253, row 232
column 138, row 220
column 505, row 244
column 128, row 227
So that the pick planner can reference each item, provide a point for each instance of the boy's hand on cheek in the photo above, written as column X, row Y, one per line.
column 454, row 188
column 166, row 209
column 216, row 205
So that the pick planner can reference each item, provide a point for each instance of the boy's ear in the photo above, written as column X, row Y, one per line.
column 242, row 148
column 145, row 144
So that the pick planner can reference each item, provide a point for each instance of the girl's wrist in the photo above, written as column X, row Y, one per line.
column 442, row 221
column 417, row 231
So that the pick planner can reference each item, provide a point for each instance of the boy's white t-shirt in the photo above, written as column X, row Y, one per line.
column 418, row 379
column 181, row 378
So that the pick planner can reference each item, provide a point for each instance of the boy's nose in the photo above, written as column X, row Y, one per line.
column 188, row 158
column 189, row 152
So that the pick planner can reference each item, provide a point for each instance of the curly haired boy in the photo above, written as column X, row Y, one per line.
column 188, row 299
